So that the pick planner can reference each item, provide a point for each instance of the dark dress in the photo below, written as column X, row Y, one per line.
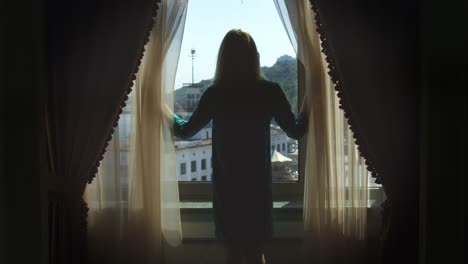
column 242, row 189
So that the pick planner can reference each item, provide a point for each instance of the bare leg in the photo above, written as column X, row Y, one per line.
column 254, row 255
column 234, row 255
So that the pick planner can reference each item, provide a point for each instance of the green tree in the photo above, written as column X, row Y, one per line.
column 284, row 72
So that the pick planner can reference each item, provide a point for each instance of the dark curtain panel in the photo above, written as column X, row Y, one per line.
column 93, row 49
column 374, row 47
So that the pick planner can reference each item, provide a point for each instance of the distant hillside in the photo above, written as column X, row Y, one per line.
column 283, row 72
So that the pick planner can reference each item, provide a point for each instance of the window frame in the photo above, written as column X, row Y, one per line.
column 282, row 191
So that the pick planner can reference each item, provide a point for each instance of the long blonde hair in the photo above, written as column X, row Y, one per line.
column 238, row 58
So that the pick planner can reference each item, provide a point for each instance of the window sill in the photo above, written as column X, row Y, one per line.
column 277, row 205
column 209, row 205
column 198, row 225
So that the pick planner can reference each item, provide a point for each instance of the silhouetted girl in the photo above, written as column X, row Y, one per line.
column 241, row 104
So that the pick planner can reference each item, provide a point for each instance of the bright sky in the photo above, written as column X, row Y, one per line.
column 209, row 20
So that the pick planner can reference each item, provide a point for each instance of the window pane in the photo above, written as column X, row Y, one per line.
column 124, row 144
column 197, row 66
column 284, row 160
column 193, row 166
column 182, row 168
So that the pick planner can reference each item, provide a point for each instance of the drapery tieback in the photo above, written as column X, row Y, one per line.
column 67, row 222
column 65, row 197
column 61, row 201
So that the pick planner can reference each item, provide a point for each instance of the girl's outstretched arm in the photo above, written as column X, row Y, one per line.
column 199, row 118
column 294, row 127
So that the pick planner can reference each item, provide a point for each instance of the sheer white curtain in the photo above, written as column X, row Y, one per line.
column 134, row 200
column 335, row 191
column 153, row 191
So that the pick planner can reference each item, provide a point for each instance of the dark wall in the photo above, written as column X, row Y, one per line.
column 443, row 133
column 23, row 222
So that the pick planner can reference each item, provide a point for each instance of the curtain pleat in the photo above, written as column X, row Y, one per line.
column 153, row 187
column 374, row 52
column 335, row 191
column 134, row 201
column 93, row 48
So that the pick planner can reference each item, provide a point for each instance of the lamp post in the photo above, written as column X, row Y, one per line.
column 192, row 54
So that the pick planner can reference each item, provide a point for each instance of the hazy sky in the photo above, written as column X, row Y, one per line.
column 209, row 20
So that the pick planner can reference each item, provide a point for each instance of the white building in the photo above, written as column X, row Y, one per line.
column 193, row 93
column 194, row 160
column 194, row 156
column 281, row 142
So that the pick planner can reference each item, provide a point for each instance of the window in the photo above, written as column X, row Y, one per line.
column 193, row 166
column 199, row 187
column 183, row 168
column 277, row 55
